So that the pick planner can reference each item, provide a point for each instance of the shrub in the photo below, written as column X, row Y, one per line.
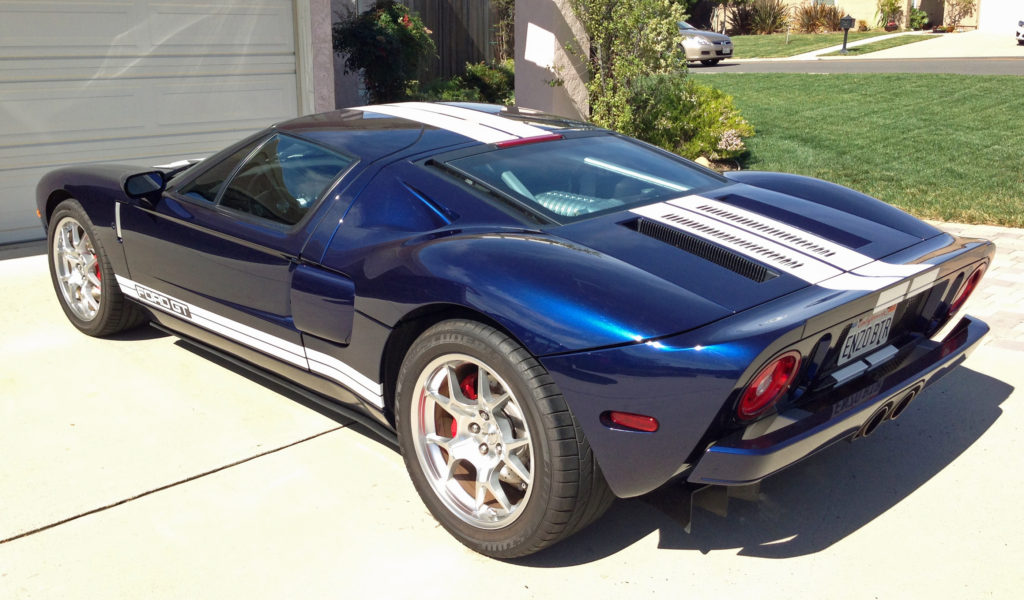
column 830, row 17
column 627, row 40
column 817, row 18
column 685, row 117
column 386, row 43
column 889, row 11
column 492, row 83
column 957, row 11
column 862, row 25
column 741, row 19
column 917, row 19
column 769, row 16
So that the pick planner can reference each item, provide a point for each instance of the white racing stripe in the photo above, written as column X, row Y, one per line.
column 475, row 131
column 760, row 249
column 509, row 126
column 812, row 258
column 354, row 380
column 295, row 354
column 803, row 241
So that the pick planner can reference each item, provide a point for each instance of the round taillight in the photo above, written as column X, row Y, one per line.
column 965, row 291
column 770, row 383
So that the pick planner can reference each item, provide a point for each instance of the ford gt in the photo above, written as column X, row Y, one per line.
column 542, row 314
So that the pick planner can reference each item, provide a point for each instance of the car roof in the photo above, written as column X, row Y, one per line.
column 372, row 132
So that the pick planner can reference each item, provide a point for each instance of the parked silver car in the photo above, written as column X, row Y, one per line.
column 707, row 47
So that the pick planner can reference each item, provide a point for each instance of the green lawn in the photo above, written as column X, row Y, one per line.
column 946, row 147
column 893, row 42
column 768, row 46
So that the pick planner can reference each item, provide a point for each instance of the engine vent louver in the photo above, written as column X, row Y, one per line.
column 704, row 249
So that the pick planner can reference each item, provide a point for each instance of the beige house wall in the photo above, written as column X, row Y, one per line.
column 545, row 30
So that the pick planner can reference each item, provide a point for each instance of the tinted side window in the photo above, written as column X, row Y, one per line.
column 282, row 180
column 207, row 186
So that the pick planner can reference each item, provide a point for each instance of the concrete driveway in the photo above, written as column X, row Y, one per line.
column 137, row 468
column 969, row 44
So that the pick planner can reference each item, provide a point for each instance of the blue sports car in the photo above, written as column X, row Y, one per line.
column 545, row 315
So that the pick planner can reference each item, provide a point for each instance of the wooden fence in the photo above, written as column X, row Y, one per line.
column 462, row 30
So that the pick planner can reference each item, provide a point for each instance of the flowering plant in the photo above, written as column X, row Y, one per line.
column 387, row 45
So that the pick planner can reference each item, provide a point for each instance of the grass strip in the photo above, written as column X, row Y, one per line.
column 885, row 44
column 775, row 45
column 943, row 147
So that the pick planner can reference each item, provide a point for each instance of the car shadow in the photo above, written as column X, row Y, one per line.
column 724, row 63
column 820, row 501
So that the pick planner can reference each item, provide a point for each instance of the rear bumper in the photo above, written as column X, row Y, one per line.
column 800, row 433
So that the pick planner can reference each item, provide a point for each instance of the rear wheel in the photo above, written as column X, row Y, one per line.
column 82, row 275
column 490, row 444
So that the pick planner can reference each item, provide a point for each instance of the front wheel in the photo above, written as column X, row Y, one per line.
column 82, row 276
column 490, row 444
column 710, row 62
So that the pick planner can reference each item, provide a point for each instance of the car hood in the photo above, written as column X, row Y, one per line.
column 708, row 35
column 741, row 245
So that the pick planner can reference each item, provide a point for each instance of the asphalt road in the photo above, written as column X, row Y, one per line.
column 962, row 66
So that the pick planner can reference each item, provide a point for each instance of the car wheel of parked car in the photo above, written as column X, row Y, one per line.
column 710, row 62
column 490, row 444
column 82, row 276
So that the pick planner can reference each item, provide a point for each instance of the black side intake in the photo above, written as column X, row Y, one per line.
column 722, row 257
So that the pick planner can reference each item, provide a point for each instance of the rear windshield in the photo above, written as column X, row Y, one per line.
column 576, row 178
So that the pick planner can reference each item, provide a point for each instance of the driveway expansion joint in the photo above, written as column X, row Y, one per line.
column 170, row 485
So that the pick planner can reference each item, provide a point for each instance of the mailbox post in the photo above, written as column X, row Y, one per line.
column 846, row 23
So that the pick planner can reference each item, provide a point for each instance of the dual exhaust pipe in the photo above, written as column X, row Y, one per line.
column 888, row 412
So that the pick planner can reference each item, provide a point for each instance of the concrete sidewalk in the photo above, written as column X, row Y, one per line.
column 138, row 468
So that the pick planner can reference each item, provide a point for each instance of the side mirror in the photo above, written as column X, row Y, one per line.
column 144, row 186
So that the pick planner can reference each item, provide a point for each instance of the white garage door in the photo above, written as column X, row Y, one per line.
column 136, row 81
column 1000, row 16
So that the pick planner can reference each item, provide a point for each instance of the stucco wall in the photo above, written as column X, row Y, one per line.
column 544, row 28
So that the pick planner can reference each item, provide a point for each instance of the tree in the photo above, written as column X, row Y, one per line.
column 628, row 39
column 958, row 10
column 386, row 43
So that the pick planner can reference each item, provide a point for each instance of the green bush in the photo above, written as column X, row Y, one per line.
column 889, row 11
column 386, row 43
column 482, row 82
column 817, row 18
column 627, row 41
column 741, row 20
column 685, row 117
column 830, row 17
column 769, row 16
column 917, row 18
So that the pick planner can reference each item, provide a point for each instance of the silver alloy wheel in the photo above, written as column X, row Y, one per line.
column 77, row 268
column 472, row 441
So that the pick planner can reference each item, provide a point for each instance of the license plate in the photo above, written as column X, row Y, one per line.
column 867, row 334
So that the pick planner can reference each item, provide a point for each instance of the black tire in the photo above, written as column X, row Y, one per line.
column 710, row 62
column 554, row 490
column 82, row 276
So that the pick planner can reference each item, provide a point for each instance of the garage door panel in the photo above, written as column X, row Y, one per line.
column 178, row 26
column 68, row 24
column 115, row 110
column 145, row 29
column 196, row 104
column 93, row 69
column 999, row 16
column 137, row 81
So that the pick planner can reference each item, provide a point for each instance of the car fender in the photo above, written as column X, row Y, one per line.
column 838, row 197
column 554, row 296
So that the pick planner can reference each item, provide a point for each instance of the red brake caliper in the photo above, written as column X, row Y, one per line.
column 98, row 276
column 468, row 387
